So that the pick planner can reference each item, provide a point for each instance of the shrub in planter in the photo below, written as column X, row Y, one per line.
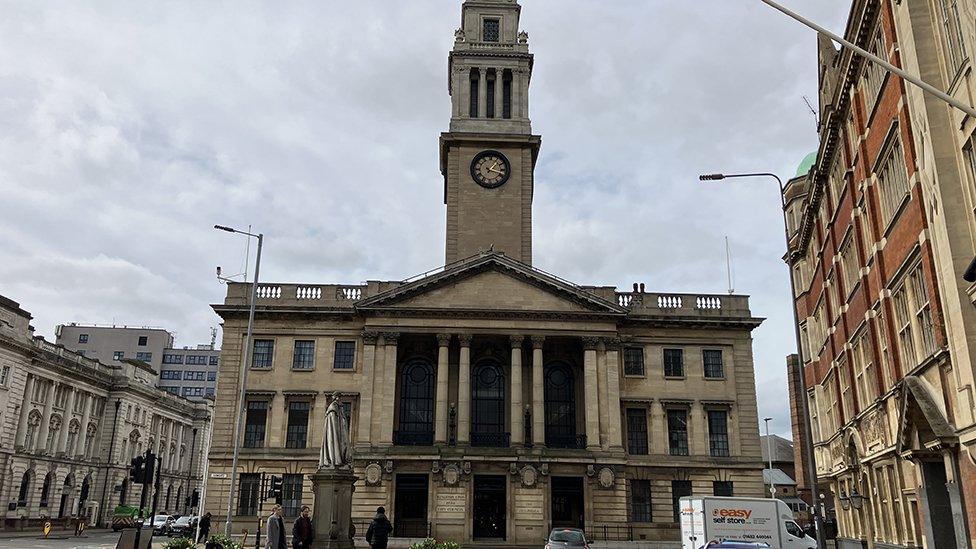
column 179, row 543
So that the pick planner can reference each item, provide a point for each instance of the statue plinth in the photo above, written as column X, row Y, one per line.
column 332, row 511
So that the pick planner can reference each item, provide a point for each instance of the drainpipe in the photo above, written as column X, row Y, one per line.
column 111, row 450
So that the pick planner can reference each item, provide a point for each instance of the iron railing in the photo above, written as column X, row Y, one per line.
column 577, row 442
column 413, row 438
column 491, row 440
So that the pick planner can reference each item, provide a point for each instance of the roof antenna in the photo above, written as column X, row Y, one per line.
column 728, row 265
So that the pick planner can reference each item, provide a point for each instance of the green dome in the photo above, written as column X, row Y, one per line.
column 807, row 163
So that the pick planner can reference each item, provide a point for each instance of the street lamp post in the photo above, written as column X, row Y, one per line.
column 769, row 455
column 808, row 437
column 245, row 367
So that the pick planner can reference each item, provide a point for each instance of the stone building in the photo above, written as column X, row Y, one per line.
column 490, row 399
column 882, row 228
column 71, row 424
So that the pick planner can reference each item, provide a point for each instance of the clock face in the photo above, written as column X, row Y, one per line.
column 490, row 169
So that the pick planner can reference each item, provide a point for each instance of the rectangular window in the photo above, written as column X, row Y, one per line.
column 82, row 338
column 874, row 74
column 214, row 360
column 634, row 361
column 718, row 433
column 192, row 391
column 637, row 431
column 247, row 496
column 196, row 360
column 345, row 355
column 172, row 359
column 678, row 432
column 814, row 416
column 297, row 434
column 712, row 360
column 118, row 355
column 722, row 488
column 674, row 363
column 804, row 343
column 304, row 357
column 211, row 376
column 194, row 376
column 640, row 501
column 847, row 396
column 172, row 390
column 291, row 494
column 952, row 35
column 171, row 374
column 849, row 265
column 893, row 183
column 491, row 30
column 210, row 391
column 679, row 489
column 255, row 423
column 865, row 378
column 263, row 353
column 143, row 341
column 145, row 357
column 5, row 376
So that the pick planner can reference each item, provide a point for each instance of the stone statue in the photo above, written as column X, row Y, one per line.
column 459, row 35
column 335, row 443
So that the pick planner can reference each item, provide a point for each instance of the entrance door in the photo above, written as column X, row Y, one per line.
column 489, row 507
column 939, row 507
column 567, row 502
column 410, row 506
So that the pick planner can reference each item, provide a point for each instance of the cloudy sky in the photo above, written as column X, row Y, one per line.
column 130, row 128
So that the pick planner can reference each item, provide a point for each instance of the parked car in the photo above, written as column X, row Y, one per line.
column 183, row 527
column 567, row 537
column 161, row 523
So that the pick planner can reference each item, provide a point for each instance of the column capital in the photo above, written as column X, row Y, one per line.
column 612, row 343
column 516, row 341
column 465, row 339
column 390, row 338
column 443, row 340
column 538, row 341
column 369, row 338
column 590, row 343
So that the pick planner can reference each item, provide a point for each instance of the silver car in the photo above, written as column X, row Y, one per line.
column 561, row 538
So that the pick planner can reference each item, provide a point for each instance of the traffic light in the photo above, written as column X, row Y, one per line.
column 137, row 469
column 149, row 468
column 275, row 491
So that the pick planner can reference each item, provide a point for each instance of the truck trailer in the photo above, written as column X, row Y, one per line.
column 758, row 520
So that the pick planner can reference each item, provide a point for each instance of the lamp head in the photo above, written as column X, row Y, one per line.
column 223, row 228
column 711, row 177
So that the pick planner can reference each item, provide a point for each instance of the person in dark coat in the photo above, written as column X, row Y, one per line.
column 378, row 533
column 204, row 527
column 302, row 532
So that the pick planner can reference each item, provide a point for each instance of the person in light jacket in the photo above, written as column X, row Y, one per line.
column 276, row 530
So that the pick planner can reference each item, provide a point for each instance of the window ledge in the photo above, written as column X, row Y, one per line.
column 303, row 369
column 723, row 378
column 676, row 378
column 344, row 370
column 636, row 376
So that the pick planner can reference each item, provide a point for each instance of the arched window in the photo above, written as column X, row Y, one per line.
column 561, row 407
column 488, row 404
column 85, row 488
column 46, row 489
column 179, row 498
column 124, row 491
column 491, row 88
column 66, row 491
column 507, row 93
column 33, row 423
column 474, row 79
column 25, row 484
column 416, row 403
column 169, row 492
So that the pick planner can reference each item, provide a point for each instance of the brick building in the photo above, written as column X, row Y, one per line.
column 489, row 399
column 882, row 228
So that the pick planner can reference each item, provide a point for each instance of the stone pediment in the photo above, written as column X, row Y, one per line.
column 491, row 282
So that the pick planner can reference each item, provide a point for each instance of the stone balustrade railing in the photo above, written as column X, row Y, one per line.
column 330, row 295
column 684, row 304
column 71, row 356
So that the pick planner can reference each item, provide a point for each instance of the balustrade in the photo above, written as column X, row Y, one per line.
column 269, row 292
column 669, row 301
column 308, row 292
column 349, row 293
column 708, row 302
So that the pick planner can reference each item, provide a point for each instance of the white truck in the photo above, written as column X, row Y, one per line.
column 762, row 520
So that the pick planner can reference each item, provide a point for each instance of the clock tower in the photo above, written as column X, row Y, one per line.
column 488, row 156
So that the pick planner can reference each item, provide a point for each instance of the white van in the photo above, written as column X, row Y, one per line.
column 709, row 518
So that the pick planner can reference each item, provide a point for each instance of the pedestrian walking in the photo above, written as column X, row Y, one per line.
column 276, row 530
column 302, row 532
column 378, row 533
column 204, row 527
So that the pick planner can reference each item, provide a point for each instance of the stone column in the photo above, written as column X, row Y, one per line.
column 459, row 83
column 25, row 410
column 180, row 432
column 85, row 419
column 464, row 388
column 590, row 396
column 66, row 422
column 41, row 441
column 697, row 434
column 274, row 429
column 482, row 92
column 516, row 93
column 499, row 92
column 518, row 429
column 538, row 393
column 389, row 391
column 441, row 405
column 603, row 396
column 658, row 429
column 366, row 392
column 615, row 433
